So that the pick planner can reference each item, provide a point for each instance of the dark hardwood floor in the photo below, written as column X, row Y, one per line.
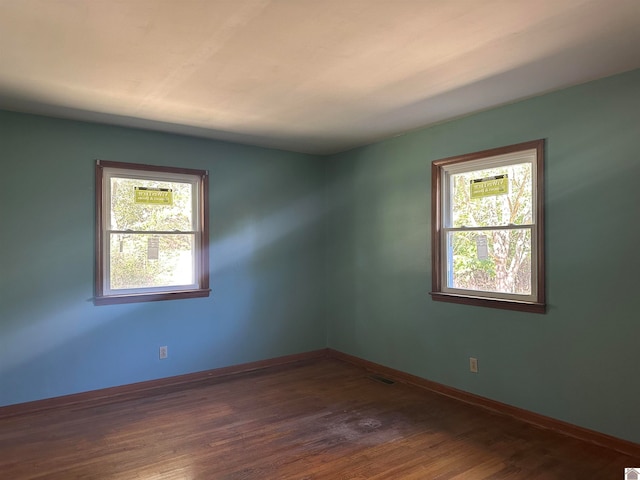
column 321, row 419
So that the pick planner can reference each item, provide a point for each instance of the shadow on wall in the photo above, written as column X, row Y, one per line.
column 54, row 341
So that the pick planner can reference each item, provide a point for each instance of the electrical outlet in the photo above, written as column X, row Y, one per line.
column 473, row 364
column 164, row 353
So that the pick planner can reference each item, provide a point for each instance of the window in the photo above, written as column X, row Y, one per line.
column 151, row 233
column 488, row 228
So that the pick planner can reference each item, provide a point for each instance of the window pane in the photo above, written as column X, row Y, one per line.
column 144, row 261
column 129, row 212
column 492, row 207
column 490, row 260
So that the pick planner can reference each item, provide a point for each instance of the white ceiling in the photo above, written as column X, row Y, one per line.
column 316, row 76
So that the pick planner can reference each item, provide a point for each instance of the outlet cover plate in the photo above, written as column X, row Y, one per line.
column 473, row 364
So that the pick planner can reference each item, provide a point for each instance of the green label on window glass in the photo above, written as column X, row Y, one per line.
column 490, row 186
column 153, row 196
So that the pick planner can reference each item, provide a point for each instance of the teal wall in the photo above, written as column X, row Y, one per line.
column 266, row 254
column 308, row 252
column 579, row 362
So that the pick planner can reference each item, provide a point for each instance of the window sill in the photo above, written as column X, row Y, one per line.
column 149, row 297
column 531, row 307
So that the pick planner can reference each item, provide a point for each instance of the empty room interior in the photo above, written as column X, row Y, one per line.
column 329, row 239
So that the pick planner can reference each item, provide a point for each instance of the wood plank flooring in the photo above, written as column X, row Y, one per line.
column 321, row 419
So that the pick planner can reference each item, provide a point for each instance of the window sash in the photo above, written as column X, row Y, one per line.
column 448, row 171
column 447, row 265
column 155, row 289
column 110, row 172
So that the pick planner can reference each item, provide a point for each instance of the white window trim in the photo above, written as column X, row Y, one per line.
column 527, row 156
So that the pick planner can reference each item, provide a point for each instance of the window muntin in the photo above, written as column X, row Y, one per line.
column 488, row 250
column 151, row 233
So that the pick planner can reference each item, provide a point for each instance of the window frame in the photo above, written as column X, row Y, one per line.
column 104, row 171
column 440, row 291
